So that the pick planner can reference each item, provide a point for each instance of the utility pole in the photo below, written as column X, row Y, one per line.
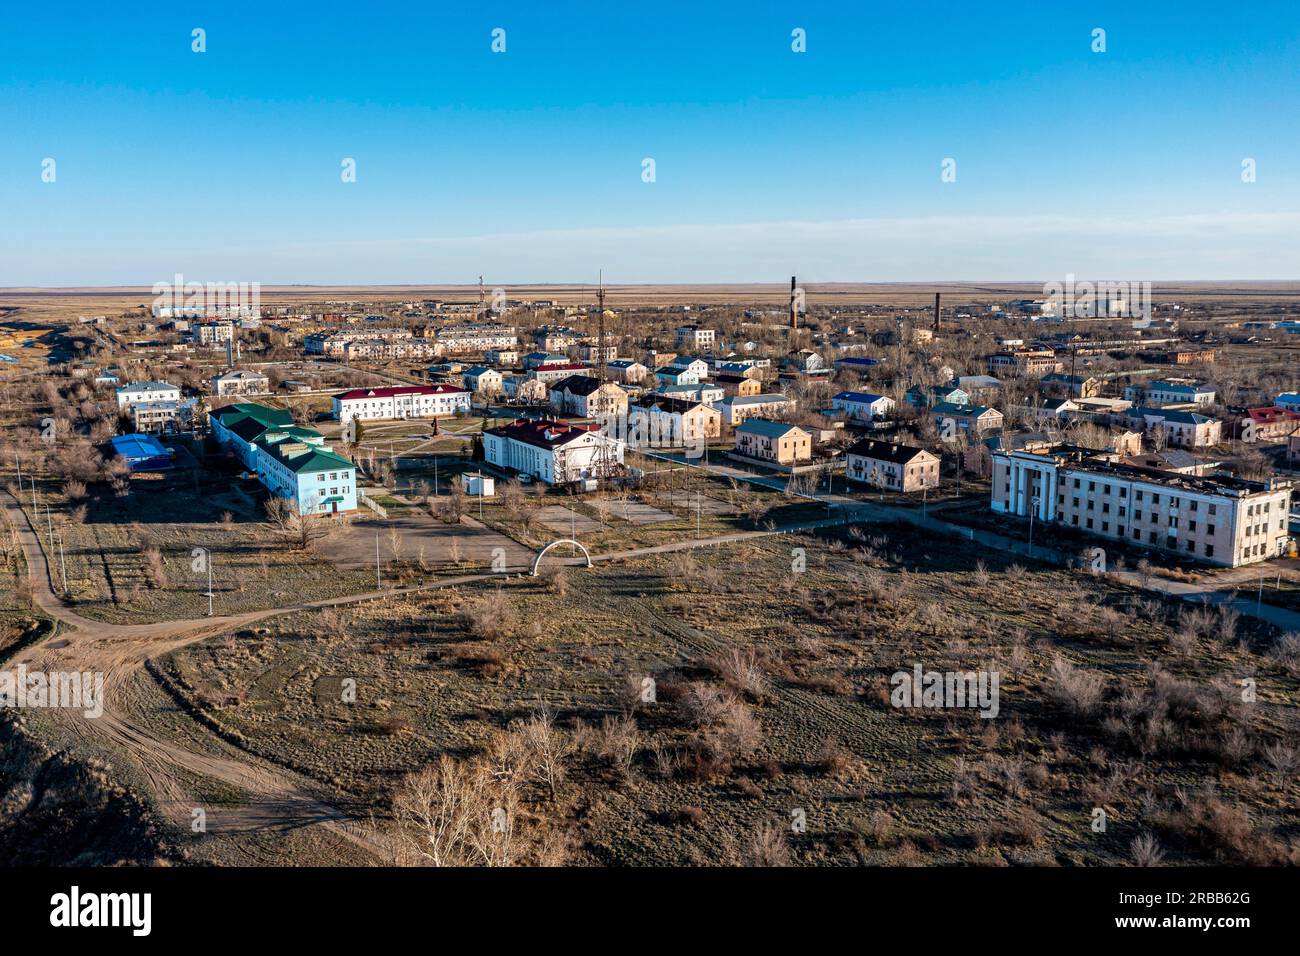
column 379, row 582
column 63, row 567
column 697, row 516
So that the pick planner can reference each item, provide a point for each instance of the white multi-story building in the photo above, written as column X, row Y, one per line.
column 550, row 374
column 554, row 452
column 862, row 406
column 240, row 382
column 137, row 393
column 335, row 341
column 478, row 338
column 393, row 347
column 401, row 401
column 1224, row 521
column 212, row 333
column 693, row 338
column 1171, row 391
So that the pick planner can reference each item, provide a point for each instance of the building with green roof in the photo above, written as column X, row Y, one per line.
column 292, row 461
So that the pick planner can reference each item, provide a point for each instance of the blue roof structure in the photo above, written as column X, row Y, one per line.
column 142, row 452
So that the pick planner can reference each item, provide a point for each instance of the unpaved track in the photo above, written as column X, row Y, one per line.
column 278, row 799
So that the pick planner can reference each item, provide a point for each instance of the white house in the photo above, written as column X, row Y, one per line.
column 128, row 396
column 680, row 374
column 553, row 452
column 862, row 406
column 240, row 381
column 483, row 380
column 401, row 401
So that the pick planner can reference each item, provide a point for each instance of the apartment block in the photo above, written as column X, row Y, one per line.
column 1218, row 520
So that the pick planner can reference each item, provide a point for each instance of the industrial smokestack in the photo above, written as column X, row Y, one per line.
column 936, row 311
column 794, row 307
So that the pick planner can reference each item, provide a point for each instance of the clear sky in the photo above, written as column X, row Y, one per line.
column 526, row 165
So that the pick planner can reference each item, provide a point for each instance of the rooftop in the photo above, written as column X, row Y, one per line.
column 389, row 391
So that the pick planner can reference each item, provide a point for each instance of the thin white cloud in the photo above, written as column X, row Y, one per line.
column 939, row 248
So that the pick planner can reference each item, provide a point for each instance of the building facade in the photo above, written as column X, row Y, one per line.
column 1223, row 521
column 401, row 401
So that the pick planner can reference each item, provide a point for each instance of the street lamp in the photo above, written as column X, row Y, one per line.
column 1033, row 509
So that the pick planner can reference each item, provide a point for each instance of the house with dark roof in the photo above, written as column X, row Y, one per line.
column 891, row 466
column 555, row 452
column 1175, row 428
column 972, row 419
column 661, row 421
column 588, row 397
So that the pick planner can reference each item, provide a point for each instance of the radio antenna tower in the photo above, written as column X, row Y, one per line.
column 600, row 336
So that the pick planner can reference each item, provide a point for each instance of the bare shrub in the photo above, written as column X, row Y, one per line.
column 462, row 814
column 1282, row 760
column 1078, row 691
column 832, row 759
column 1285, row 651
column 702, row 704
column 1206, row 821
column 331, row 623
column 555, row 578
column 1145, row 850
column 536, row 749
column 768, row 845
column 619, row 742
column 155, row 567
column 493, row 617
column 741, row 670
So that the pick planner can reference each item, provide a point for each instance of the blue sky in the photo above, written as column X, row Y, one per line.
column 526, row 166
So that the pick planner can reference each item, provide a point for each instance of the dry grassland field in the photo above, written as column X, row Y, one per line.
column 686, row 718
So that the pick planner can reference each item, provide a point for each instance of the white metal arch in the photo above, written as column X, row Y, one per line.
column 541, row 554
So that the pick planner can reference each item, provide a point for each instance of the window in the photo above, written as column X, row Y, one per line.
column 1209, row 550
